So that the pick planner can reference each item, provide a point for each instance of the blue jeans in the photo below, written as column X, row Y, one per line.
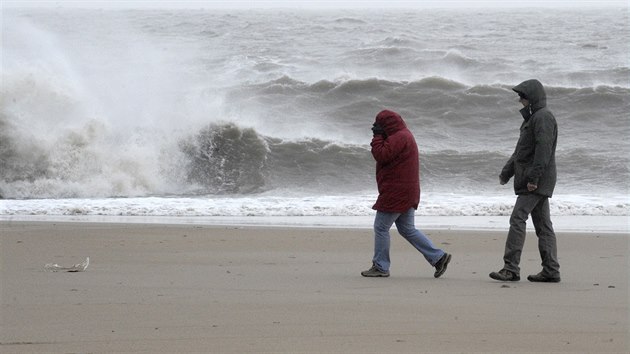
column 407, row 229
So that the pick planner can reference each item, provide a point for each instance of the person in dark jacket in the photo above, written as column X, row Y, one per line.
column 533, row 166
column 398, row 179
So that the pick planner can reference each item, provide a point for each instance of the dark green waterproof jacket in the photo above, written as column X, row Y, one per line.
column 534, row 158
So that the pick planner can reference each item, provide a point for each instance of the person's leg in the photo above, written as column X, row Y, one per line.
column 524, row 205
column 546, row 239
column 382, row 223
column 406, row 227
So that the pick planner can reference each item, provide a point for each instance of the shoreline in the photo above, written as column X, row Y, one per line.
column 562, row 223
column 207, row 288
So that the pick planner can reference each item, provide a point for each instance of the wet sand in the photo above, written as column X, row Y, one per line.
column 191, row 288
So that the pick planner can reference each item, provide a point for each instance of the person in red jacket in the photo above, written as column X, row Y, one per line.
column 398, row 179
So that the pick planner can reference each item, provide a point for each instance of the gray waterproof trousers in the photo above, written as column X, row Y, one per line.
column 538, row 206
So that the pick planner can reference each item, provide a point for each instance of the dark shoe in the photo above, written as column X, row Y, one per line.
column 540, row 278
column 374, row 272
column 505, row 275
column 440, row 266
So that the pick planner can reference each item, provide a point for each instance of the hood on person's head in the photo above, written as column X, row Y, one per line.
column 390, row 121
column 533, row 91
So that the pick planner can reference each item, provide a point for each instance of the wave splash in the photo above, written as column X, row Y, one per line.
column 226, row 159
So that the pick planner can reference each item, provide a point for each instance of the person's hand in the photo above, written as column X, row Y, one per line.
column 377, row 129
column 531, row 187
column 502, row 181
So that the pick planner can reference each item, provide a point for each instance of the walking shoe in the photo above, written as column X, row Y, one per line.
column 505, row 275
column 440, row 266
column 374, row 272
column 540, row 278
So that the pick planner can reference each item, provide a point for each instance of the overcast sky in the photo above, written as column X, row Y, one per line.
column 315, row 4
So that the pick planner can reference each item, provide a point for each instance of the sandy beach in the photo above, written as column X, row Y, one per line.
column 194, row 288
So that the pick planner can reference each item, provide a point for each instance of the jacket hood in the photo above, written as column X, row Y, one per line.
column 534, row 91
column 390, row 121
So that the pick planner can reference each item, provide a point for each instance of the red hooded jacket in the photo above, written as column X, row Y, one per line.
column 397, row 165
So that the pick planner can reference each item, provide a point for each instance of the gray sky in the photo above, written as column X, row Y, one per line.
column 316, row 4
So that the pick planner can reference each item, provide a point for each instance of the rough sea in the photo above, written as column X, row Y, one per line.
column 268, row 112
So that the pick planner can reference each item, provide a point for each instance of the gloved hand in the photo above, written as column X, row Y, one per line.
column 378, row 130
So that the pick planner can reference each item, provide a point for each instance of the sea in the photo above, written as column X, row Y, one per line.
column 184, row 113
